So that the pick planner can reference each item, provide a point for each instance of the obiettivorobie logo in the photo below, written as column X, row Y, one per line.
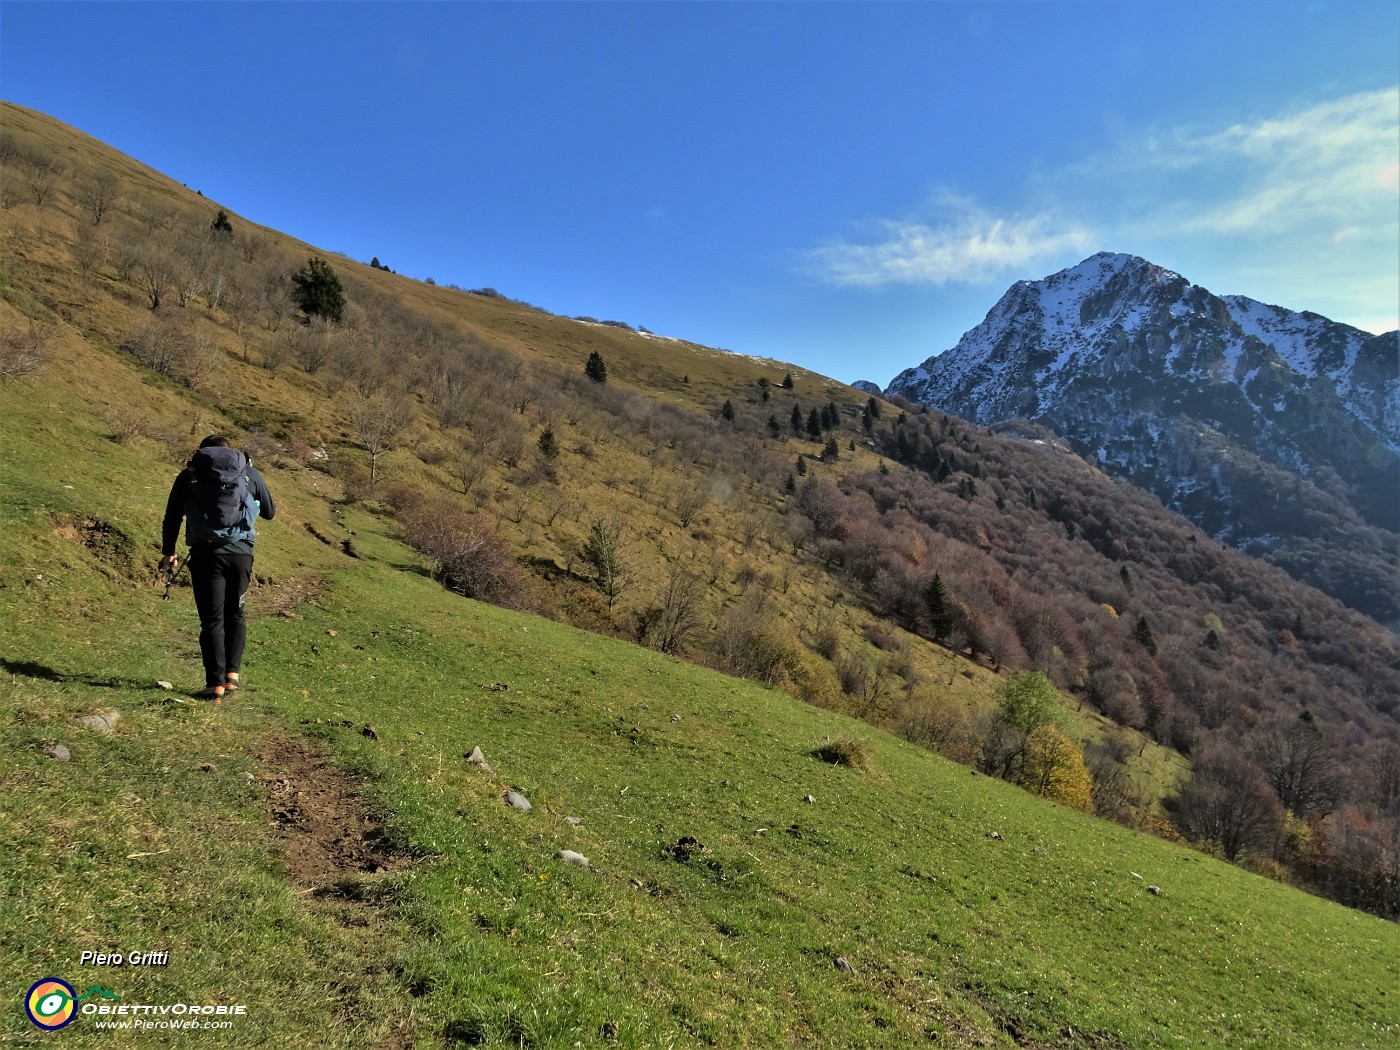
column 53, row 1004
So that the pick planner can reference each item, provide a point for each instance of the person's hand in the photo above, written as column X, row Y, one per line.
column 170, row 563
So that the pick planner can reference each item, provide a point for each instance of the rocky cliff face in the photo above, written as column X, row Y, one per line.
column 1275, row 430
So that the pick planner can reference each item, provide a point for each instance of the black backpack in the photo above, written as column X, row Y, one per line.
column 221, row 507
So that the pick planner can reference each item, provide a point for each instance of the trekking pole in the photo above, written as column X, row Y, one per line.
column 169, row 577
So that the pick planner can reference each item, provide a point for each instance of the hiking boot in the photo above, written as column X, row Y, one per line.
column 211, row 692
column 231, row 682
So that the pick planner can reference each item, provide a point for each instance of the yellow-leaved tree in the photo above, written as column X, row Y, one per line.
column 1054, row 769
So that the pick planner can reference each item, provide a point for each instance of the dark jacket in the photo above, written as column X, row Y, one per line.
column 177, row 506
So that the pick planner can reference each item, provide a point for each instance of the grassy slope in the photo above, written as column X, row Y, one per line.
column 157, row 838
column 617, row 477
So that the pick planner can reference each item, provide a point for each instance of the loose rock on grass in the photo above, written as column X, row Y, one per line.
column 568, row 856
column 105, row 722
column 476, row 758
column 57, row 752
column 516, row 800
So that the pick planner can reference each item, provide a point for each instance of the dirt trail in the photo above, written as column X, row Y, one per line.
column 321, row 820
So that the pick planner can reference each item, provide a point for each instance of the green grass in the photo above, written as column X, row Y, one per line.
column 158, row 837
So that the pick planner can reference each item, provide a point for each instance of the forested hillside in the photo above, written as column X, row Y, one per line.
column 865, row 556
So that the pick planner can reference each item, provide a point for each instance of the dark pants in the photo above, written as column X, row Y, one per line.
column 220, row 581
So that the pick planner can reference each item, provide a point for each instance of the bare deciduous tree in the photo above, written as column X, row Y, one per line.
column 90, row 250
column 672, row 624
column 41, row 170
column 97, row 193
column 1228, row 803
column 155, row 272
column 1298, row 762
column 690, row 501
column 378, row 422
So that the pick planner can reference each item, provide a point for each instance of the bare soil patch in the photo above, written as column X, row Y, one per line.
column 113, row 549
column 326, row 834
column 280, row 596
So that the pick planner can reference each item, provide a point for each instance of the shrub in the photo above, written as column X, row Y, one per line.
column 853, row 754
column 471, row 558
column 22, row 350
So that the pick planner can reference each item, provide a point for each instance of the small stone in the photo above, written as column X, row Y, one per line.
column 330, row 634
column 1156, row 891
column 57, row 752
column 675, row 718
column 568, row 856
column 809, row 798
column 572, row 821
column 476, row 758
column 497, row 687
column 165, row 685
column 369, row 731
column 843, row 964
column 994, row 835
column 516, row 800
column 105, row 722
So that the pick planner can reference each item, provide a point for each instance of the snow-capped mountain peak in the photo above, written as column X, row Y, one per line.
column 1133, row 363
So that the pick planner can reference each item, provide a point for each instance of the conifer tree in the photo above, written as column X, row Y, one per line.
column 801, row 466
column 1143, row 633
column 774, row 427
column 603, row 552
column 549, row 444
column 831, row 452
column 596, row 370
column 318, row 290
column 796, row 419
column 221, row 226
column 727, row 411
column 939, row 606
column 814, row 425
column 787, row 381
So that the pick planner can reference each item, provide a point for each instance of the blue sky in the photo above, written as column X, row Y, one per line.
column 849, row 187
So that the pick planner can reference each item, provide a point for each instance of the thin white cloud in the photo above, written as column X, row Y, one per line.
column 969, row 245
column 1300, row 208
column 1332, row 162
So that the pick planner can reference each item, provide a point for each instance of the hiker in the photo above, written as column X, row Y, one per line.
column 221, row 495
